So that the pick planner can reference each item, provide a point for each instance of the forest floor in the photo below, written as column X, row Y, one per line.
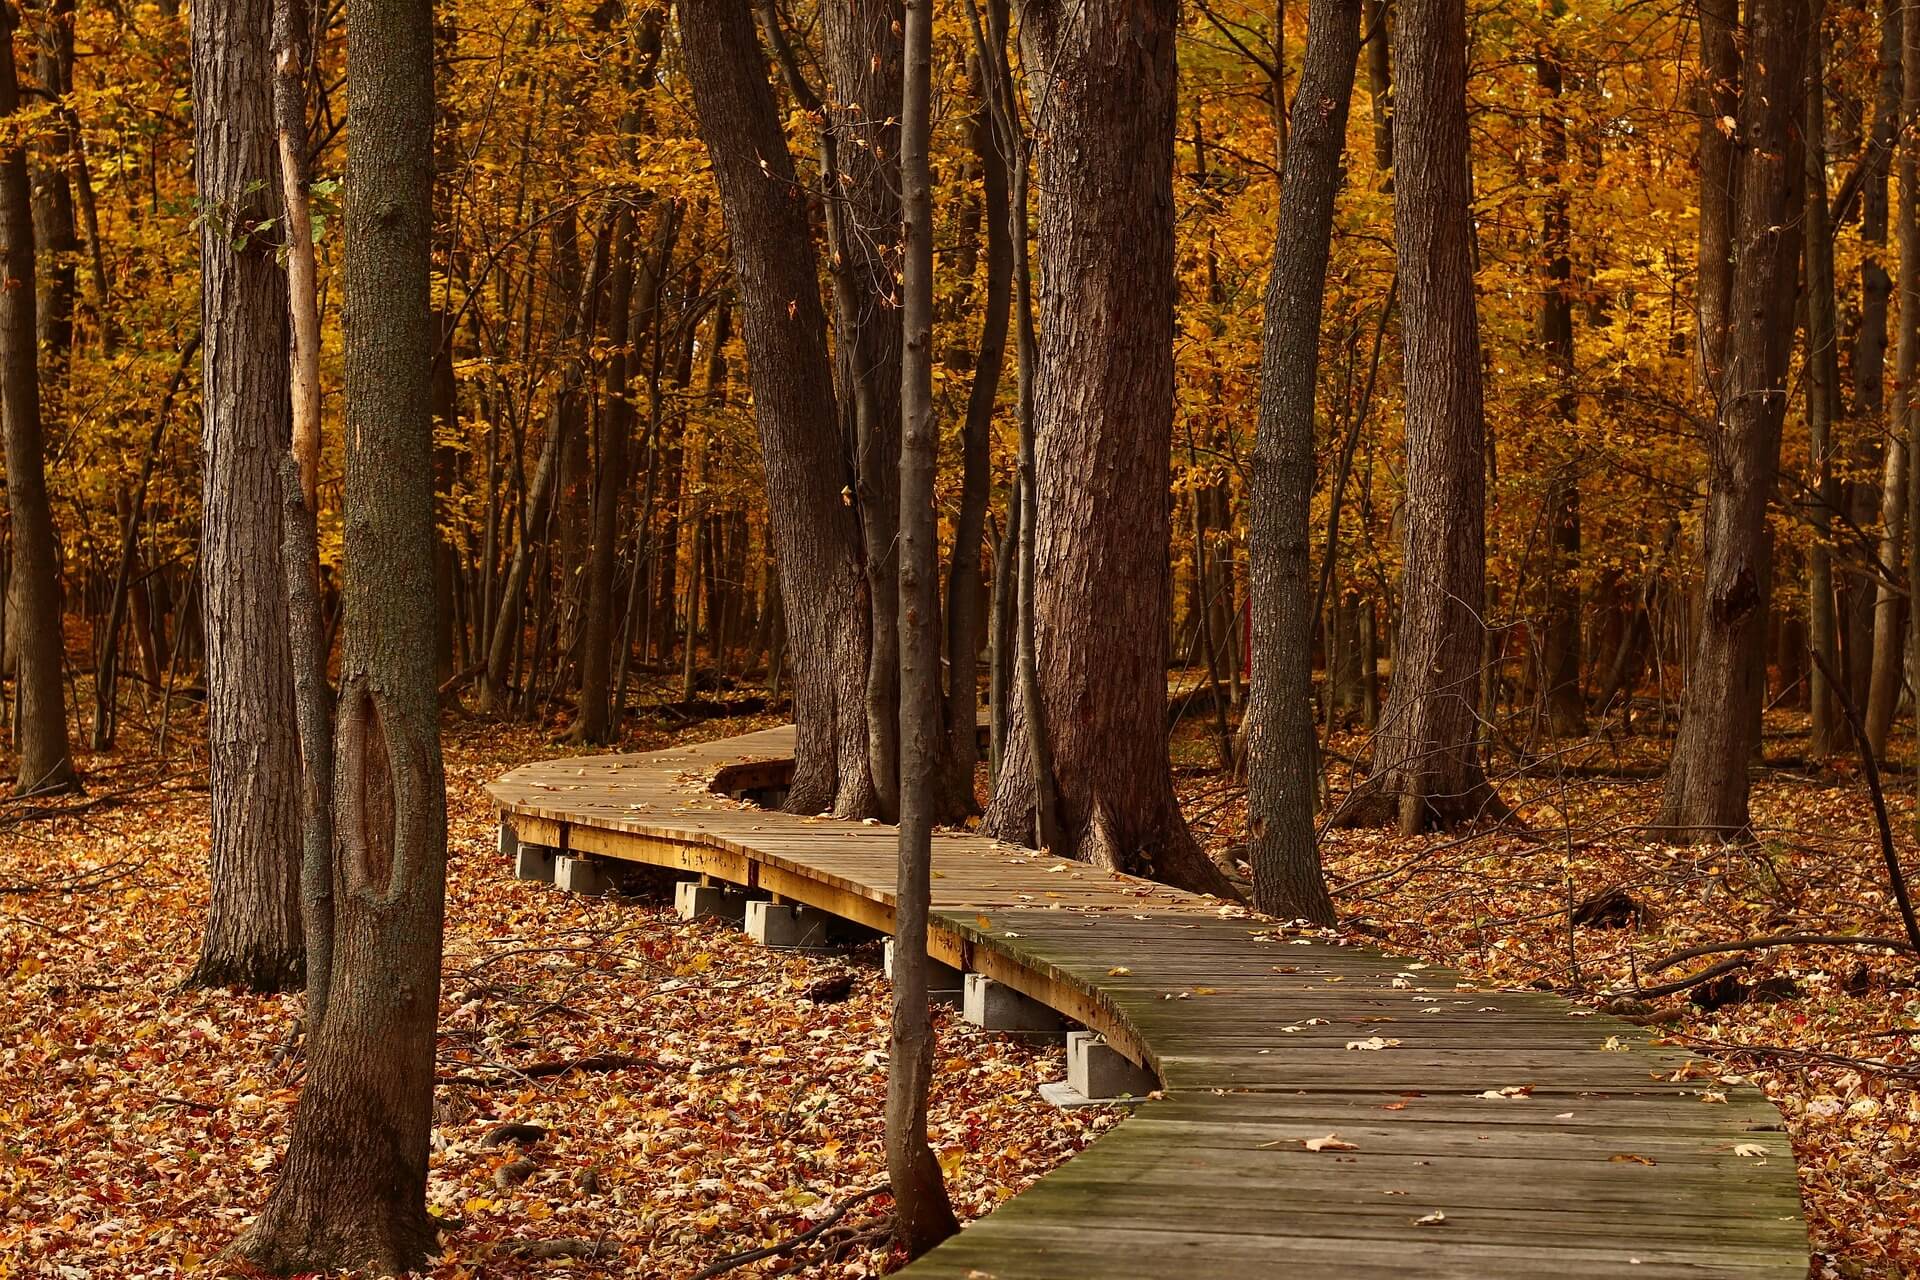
column 1831, row 1034
column 143, row 1121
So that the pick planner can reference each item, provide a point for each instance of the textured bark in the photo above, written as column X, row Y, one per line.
column 253, row 936
column 1823, row 403
column 1560, row 644
column 922, row 1213
column 863, row 59
column 1103, row 426
column 1280, row 746
column 352, row 1190
column 1426, row 765
column 1745, row 374
column 815, row 530
column 40, row 724
column 1870, row 347
column 55, row 232
column 1376, row 17
column 964, row 588
column 1891, row 609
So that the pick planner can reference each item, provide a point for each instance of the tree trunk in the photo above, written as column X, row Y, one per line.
column 1823, row 402
column 922, row 1213
column 863, row 60
column 352, row 1190
column 254, row 936
column 1560, row 657
column 964, row 593
column 1103, row 426
column 40, row 725
column 815, row 530
column 1281, row 750
column 1746, row 346
column 1426, row 765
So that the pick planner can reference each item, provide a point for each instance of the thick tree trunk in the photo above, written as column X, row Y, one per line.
column 1426, row 764
column 1746, row 344
column 1281, row 750
column 815, row 530
column 352, row 1190
column 863, row 62
column 254, row 937
column 1104, row 418
column 40, row 725
column 922, row 1215
column 55, row 232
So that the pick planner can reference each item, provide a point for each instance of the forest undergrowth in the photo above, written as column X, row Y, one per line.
column 622, row 1093
column 624, row 1090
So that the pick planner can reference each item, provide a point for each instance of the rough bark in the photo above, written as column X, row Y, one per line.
column 1426, row 765
column 1281, row 749
column 254, row 937
column 1560, row 645
column 1745, row 375
column 964, row 588
column 40, row 723
column 352, row 1190
column 922, row 1213
column 1103, row 427
column 809, row 480
column 863, row 61
column 1823, row 403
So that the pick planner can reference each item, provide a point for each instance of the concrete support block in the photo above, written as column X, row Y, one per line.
column 786, row 924
column 695, row 901
column 993, row 1006
column 533, row 862
column 945, row 984
column 583, row 875
column 1098, row 1071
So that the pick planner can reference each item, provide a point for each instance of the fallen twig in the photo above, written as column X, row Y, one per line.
column 812, row 1233
column 1691, row 980
column 547, row 1070
column 1872, row 769
column 1775, row 940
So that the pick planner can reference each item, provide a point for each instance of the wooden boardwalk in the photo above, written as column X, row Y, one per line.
column 1607, row 1156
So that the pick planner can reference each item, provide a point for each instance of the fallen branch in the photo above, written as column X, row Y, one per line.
column 547, row 1070
column 1776, row 940
column 787, row 1246
column 540, row 1250
column 1805, row 1055
column 1681, row 984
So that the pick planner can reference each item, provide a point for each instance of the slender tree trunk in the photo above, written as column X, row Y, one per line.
column 254, row 936
column 1103, row 414
column 1823, row 402
column 964, row 594
column 40, row 723
column 352, row 1189
column 1426, row 764
column 1746, row 345
column 1870, row 346
column 922, row 1213
column 1561, row 657
column 1281, row 750
column 815, row 532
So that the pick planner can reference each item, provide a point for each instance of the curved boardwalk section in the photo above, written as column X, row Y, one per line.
column 1475, row 1133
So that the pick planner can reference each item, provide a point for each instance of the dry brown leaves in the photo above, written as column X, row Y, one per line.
column 1495, row 904
column 142, row 1122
